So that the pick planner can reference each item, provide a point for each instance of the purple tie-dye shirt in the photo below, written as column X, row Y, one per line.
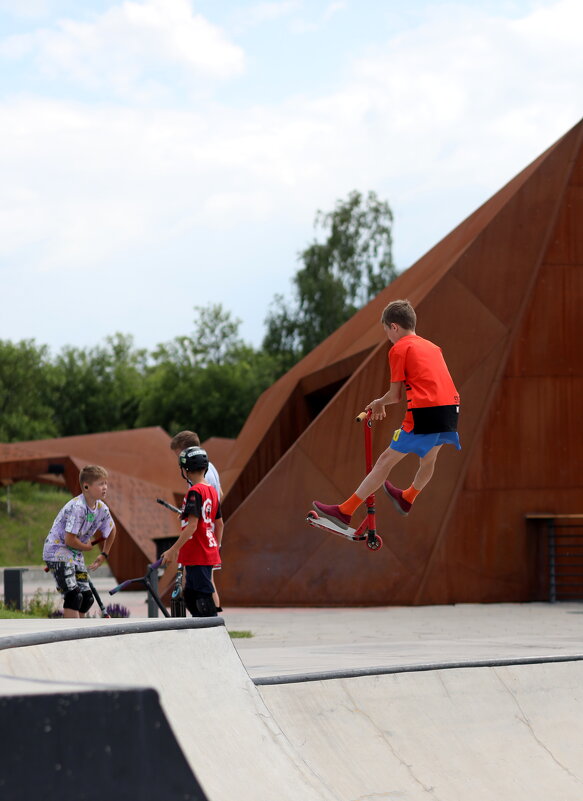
column 76, row 518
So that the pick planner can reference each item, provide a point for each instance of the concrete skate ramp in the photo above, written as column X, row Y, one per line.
column 233, row 746
column 507, row 732
column 483, row 733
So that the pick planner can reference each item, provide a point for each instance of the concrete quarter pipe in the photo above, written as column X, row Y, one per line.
column 506, row 732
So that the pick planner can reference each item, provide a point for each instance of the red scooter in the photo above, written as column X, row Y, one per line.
column 367, row 529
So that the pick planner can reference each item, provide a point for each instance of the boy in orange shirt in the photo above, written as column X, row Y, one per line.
column 418, row 367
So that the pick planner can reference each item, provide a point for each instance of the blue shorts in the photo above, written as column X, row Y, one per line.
column 421, row 444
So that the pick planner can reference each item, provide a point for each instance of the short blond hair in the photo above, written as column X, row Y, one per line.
column 184, row 439
column 91, row 473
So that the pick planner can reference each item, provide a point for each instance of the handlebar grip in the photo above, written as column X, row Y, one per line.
column 362, row 416
column 121, row 586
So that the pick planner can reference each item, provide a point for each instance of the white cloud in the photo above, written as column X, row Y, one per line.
column 127, row 46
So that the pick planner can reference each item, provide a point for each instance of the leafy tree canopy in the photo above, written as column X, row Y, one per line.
column 97, row 389
column 207, row 381
column 25, row 404
column 339, row 275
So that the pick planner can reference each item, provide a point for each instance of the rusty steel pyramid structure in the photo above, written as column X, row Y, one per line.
column 502, row 295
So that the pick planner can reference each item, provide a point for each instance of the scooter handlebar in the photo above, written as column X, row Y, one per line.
column 168, row 505
column 154, row 566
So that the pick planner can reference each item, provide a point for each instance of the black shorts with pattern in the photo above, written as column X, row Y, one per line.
column 69, row 576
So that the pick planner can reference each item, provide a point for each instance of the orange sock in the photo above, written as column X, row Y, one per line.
column 410, row 494
column 350, row 506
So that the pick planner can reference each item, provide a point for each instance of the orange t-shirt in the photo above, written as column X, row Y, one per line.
column 421, row 366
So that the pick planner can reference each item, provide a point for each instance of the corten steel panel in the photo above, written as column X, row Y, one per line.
column 492, row 555
column 566, row 246
column 143, row 453
column 472, row 293
column 549, row 340
column 295, row 411
column 502, row 261
column 219, row 450
column 534, row 434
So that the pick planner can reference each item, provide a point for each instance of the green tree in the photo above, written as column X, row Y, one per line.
column 25, row 407
column 339, row 275
column 208, row 381
column 98, row 389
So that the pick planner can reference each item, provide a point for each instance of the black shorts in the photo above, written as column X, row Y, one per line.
column 198, row 578
column 69, row 577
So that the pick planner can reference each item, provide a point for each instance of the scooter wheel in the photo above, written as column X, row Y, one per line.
column 376, row 544
column 313, row 515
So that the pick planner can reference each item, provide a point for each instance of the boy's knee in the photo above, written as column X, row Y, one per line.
column 388, row 458
column 199, row 604
column 86, row 601
column 73, row 599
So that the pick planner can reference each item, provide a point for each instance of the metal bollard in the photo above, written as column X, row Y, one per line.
column 13, row 596
column 152, row 606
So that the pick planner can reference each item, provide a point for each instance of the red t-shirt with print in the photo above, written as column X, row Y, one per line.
column 201, row 502
column 419, row 363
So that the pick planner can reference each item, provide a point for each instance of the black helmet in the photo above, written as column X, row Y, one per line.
column 193, row 459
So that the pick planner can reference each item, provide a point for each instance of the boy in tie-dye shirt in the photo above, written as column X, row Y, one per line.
column 81, row 520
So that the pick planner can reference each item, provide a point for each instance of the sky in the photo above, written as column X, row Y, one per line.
column 157, row 155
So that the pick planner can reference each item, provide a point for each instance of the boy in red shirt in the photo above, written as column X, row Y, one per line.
column 197, row 547
column 417, row 367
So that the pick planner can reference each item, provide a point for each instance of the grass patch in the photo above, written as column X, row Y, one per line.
column 42, row 604
column 33, row 508
column 240, row 635
column 14, row 613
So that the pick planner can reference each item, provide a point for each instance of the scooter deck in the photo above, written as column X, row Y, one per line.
column 327, row 525
column 373, row 541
